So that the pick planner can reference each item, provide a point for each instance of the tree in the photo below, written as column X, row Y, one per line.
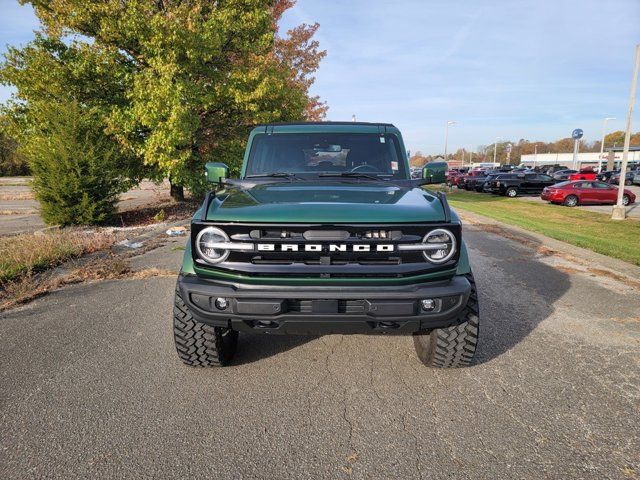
column 12, row 162
column 418, row 159
column 298, row 52
column 179, row 81
column 74, row 164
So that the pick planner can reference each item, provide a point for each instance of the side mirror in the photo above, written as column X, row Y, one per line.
column 435, row 172
column 215, row 172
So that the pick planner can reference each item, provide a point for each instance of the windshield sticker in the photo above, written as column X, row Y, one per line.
column 382, row 140
column 394, row 165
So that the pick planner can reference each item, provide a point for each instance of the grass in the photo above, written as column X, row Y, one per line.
column 586, row 229
column 27, row 254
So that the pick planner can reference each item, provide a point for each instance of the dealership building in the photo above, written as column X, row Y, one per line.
column 611, row 158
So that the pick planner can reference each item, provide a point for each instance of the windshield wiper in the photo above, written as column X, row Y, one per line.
column 356, row 175
column 288, row 175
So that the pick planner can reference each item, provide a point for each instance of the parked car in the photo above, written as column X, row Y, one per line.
column 636, row 178
column 486, row 182
column 299, row 284
column 563, row 175
column 453, row 177
column 587, row 173
column 552, row 169
column 524, row 183
column 585, row 193
column 473, row 179
column 606, row 175
column 615, row 178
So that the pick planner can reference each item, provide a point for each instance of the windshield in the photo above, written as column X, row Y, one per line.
column 316, row 154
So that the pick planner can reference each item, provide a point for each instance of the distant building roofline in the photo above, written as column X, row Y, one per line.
column 620, row 149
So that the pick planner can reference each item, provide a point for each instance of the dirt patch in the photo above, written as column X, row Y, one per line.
column 568, row 270
column 17, row 196
column 167, row 212
column 18, row 212
column 108, row 267
column 615, row 276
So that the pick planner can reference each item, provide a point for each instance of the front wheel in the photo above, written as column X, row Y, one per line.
column 571, row 201
column 626, row 200
column 511, row 192
column 455, row 346
column 627, row 182
column 199, row 344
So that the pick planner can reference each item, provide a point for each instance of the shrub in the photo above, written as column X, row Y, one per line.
column 12, row 163
column 74, row 165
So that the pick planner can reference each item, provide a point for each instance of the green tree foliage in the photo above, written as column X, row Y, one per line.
column 175, row 82
column 12, row 162
column 75, row 165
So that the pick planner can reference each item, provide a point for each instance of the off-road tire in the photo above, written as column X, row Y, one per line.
column 511, row 192
column 199, row 344
column 571, row 201
column 452, row 347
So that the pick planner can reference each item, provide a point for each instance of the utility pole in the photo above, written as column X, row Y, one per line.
column 604, row 128
column 446, row 136
column 495, row 148
column 535, row 154
column 619, row 211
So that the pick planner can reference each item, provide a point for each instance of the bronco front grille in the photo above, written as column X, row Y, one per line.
column 337, row 250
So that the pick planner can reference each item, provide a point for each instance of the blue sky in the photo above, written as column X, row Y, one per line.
column 516, row 69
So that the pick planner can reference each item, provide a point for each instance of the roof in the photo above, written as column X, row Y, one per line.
column 326, row 127
column 325, row 123
column 632, row 148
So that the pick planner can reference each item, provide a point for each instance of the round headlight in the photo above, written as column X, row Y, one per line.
column 206, row 245
column 443, row 237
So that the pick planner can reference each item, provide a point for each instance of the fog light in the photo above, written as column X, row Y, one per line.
column 428, row 304
column 221, row 303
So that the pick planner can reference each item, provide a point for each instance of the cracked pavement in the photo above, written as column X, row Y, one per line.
column 90, row 386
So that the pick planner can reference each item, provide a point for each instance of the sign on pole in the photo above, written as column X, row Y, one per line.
column 576, row 135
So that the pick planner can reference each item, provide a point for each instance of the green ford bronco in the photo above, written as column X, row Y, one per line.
column 325, row 232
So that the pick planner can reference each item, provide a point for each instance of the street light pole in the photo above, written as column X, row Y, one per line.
column 535, row 154
column 495, row 148
column 604, row 128
column 446, row 136
column 619, row 211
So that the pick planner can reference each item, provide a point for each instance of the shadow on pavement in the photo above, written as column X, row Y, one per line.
column 517, row 289
column 256, row 347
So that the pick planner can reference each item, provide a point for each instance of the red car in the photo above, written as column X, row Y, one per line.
column 454, row 177
column 585, row 193
column 586, row 173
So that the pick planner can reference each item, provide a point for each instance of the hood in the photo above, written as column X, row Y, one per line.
column 325, row 202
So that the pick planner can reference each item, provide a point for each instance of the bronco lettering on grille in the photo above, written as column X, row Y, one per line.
column 316, row 247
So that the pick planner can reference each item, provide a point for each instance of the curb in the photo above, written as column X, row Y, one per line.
column 584, row 255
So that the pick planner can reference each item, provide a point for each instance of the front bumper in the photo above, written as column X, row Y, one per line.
column 324, row 310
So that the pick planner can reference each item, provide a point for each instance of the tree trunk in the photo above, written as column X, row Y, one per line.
column 176, row 191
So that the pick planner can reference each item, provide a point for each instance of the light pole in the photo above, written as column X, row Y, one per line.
column 604, row 128
column 535, row 154
column 619, row 211
column 495, row 148
column 446, row 136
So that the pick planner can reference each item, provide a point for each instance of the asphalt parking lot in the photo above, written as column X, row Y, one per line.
column 90, row 386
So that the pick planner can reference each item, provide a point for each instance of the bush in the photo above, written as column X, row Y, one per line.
column 12, row 162
column 74, row 165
